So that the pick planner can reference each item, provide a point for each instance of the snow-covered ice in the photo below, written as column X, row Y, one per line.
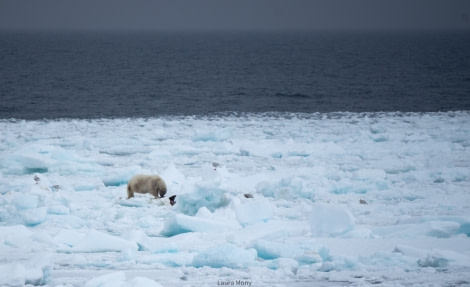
column 343, row 198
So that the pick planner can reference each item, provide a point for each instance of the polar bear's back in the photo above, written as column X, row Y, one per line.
column 142, row 183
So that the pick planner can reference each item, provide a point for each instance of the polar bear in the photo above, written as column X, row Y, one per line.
column 142, row 183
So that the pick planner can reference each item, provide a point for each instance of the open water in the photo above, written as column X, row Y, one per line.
column 151, row 74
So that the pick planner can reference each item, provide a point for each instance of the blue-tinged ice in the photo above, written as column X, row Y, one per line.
column 330, row 220
column 225, row 255
column 356, row 198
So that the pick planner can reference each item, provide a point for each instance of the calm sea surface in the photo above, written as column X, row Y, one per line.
column 151, row 74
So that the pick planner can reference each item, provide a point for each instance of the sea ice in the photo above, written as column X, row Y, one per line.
column 225, row 255
column 181, row 223
column 111, row 279
column 96, row 241
column 272, row 250
column 253, row 211
column 208, row 195
column 356, row 198
column 36, row 271
column 119, row 279
column 330, row 220
column 13, row 274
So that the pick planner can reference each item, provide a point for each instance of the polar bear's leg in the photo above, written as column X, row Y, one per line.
column 130, row 193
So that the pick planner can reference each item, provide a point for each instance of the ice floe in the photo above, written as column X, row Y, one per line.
column 355, row 198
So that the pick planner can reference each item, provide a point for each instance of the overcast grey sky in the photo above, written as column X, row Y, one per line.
column 234, row 14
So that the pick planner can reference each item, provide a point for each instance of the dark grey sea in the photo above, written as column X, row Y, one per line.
column 113, row 74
